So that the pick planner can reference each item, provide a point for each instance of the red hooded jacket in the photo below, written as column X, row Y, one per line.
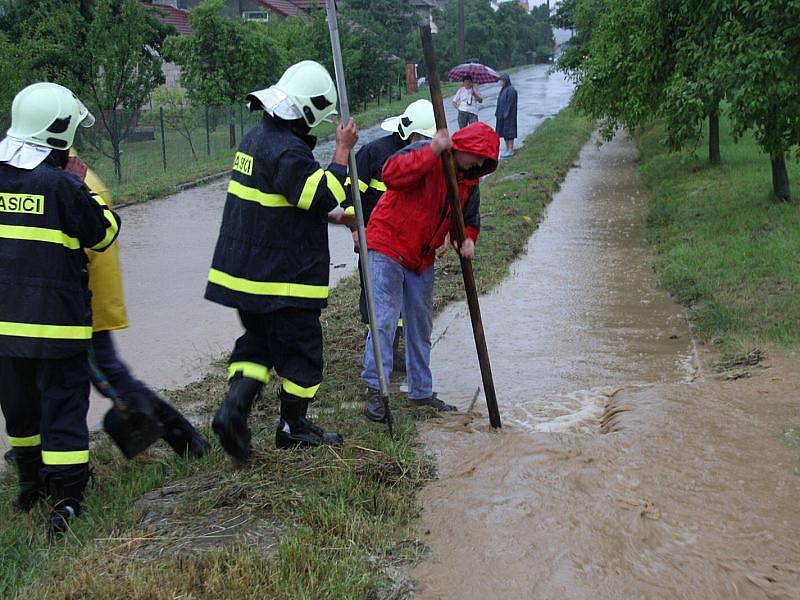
column 412, row 217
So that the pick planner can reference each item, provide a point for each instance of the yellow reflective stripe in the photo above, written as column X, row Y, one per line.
column 335, row 187
column 267, row 288
column 39, row 234
column 25, row 442
column 37, row 330
column 253, row 195
column 400, row 322
column 361, row 185
column 298, row 390
column 310, row 189
column 111, row 230
column 378, row 185
column 75, row 457
column 249, row 369
column 350, row 210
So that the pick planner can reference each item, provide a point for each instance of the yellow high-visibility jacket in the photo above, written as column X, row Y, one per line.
column 105, row 275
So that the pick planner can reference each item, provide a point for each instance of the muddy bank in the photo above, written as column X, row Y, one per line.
column 626, row 467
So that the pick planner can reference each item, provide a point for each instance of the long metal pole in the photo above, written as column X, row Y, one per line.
column 461, row 57
column 452, row 192
column 344, row 111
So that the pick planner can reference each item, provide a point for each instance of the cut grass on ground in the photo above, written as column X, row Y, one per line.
column 726, row 249
column 325, row 523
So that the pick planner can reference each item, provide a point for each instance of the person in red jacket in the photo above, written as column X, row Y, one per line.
column 411, row 221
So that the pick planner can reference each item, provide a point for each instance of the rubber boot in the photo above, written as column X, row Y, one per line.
column 179, row 433
column 65, row 488
column 31, row 488
column 295, row 430
column 230, row 421
column 375, row 410
column 398, row 353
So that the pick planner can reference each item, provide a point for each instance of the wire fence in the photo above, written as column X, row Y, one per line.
column 174, row 142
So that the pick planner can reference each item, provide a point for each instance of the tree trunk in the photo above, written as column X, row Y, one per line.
column 232, row 125
column 780, row 178
column 115, row 142
column 714, row 156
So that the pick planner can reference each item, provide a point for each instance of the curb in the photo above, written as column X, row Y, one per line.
column 178, row 188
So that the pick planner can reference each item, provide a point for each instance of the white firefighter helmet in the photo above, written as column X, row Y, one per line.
column 305, row 90
column 48, row 114
column 417, row 118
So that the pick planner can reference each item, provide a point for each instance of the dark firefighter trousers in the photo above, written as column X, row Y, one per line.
column 44, row 402
column 288, row 340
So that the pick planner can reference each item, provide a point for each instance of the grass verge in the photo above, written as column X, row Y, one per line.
column 143, row 173
column 315, row 524
column 725, row 248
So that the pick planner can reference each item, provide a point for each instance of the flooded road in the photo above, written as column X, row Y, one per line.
column 625, row 469
column 166, row 248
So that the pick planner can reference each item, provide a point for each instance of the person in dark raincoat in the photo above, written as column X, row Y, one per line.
column 506, row 113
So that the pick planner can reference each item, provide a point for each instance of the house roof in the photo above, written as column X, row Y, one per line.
column 285, row 8
column 309, row 5
column 174, row 16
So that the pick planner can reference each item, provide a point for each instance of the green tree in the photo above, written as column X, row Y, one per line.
column 367, row 65
column 680, row 60
column 122, row 52
column 582, row 17
column 760, row 42
column 179, row 114
column 618, row 68
column 695, row 71
column 480, row 34
column 106, row 51
column 223, row 59
column 647, row 58
column 45, row 33
column 394, row 25
column 12, row 73
column 510, row 36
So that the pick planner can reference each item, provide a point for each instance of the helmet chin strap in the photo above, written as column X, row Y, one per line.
column 58, row 158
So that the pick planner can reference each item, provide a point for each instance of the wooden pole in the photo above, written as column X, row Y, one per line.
column 452, row 192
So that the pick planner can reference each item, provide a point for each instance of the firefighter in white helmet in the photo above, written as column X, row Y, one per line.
column 47, row 218
column 417, row 123
column 271, row 261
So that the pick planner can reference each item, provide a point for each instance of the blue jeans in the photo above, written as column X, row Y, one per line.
column 397, row 290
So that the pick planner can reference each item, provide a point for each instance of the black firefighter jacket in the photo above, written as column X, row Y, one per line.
column 369, row 162
column 272, row 251
column 47, row 218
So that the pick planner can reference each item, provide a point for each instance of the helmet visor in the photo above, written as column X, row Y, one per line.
column 86, row 118
column 274, row 102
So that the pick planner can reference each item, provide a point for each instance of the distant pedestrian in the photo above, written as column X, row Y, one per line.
column 506, row 114
column 466, row 102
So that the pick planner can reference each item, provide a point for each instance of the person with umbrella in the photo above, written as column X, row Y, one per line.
column 506, row 113
column 466, row 102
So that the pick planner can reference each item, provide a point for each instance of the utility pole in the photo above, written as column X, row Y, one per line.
column 461, row 58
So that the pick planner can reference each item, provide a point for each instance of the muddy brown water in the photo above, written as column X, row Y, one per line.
column 626, row 468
